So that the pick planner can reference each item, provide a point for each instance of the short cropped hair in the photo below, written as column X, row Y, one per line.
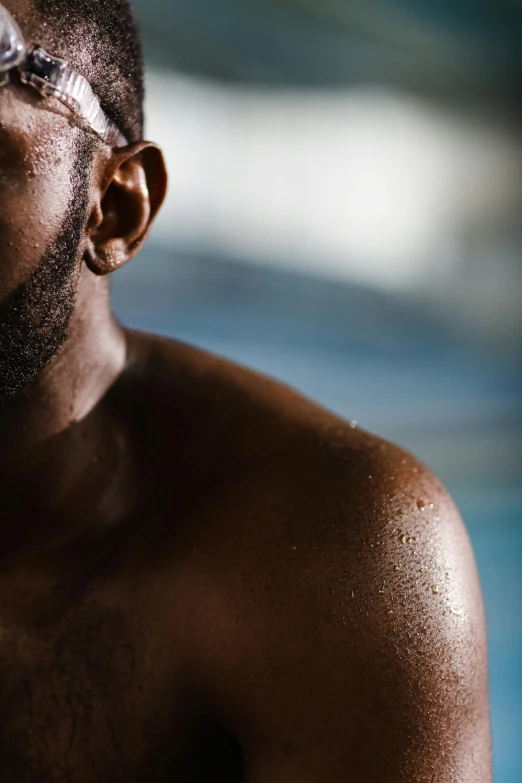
column 100, row 38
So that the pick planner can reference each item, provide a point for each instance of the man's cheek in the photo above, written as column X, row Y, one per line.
column 23, row 241
column 32, row 211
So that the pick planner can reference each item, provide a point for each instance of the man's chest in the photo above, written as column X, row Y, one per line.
column 86, row 694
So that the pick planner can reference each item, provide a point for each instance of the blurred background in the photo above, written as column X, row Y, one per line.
column 345, row 214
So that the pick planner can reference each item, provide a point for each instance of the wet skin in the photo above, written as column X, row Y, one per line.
column 204, row 576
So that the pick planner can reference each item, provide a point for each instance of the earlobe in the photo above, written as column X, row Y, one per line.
column 106, row 260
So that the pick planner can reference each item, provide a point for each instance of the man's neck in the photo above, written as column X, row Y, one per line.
column 59, row 446
column 90, row 361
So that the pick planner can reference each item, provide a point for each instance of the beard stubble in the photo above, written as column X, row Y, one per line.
column 35, row 319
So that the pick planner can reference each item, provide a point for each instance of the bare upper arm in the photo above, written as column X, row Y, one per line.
column 374, row 666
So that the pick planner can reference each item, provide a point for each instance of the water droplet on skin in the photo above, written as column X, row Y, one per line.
column 432, row 506
column 381, row 591
column 353, row 424
column 403, row 539
column 421, row 505
column 435, row 589
column 397, row 568
column 390, row 611
column 293, row 548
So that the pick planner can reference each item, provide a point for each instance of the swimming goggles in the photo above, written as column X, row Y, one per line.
column 53, row 77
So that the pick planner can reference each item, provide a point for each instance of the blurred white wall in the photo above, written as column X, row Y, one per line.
column 366, row 185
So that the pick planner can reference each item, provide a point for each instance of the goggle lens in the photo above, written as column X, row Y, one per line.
column 12, row 48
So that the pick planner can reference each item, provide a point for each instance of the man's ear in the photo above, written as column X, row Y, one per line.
column 133, row 190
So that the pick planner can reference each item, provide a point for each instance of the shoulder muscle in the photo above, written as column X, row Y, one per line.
column 375, row 670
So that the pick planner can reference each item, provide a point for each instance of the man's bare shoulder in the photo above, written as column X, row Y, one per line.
column 259, row 417
column 178, row 373
column 294, row 474
column 275, row 434
column 337, row 614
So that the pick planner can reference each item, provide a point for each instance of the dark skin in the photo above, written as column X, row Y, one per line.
column 204, row 576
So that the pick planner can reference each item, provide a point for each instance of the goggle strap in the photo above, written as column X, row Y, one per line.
column 52, row 76
column 73, row 90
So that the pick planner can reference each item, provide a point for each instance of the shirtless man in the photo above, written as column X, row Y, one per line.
column 204, row 576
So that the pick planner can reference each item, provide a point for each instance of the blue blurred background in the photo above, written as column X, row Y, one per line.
column 345, row 214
